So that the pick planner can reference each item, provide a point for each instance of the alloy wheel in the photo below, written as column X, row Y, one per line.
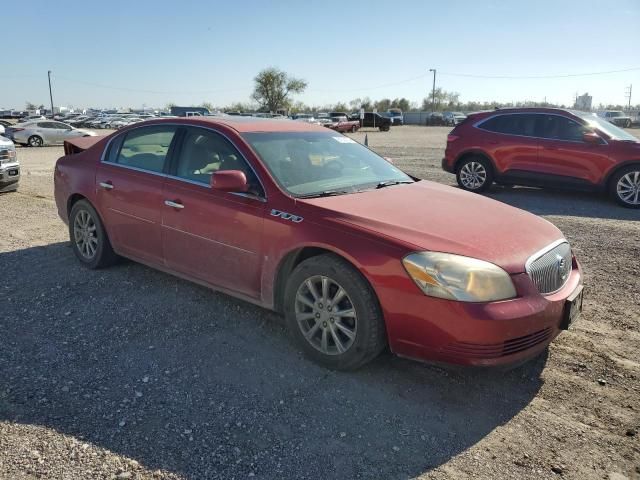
column 628, row 188
column 473, row 175
column 84, row 234
column 35, row 141
column 326, row 315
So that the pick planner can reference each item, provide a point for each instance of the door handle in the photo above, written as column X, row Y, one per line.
column 169, row 203
column 106, row 185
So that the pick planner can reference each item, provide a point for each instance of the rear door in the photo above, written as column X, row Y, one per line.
column 564, row 153
column 207, row 234
column 129, row 184
column 511, row 142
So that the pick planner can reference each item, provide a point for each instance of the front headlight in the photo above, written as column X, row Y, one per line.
column 455, row 277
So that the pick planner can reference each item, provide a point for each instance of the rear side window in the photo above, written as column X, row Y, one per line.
column 513, row 124
column 557, row 127
column 143, row 148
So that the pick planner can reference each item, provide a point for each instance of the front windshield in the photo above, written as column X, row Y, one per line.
column 605, row 126
column 615, row 114
column 313, row 163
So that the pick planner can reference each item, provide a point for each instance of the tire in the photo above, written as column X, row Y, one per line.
column 96, row 253
column 627, row 124
column 354, row 129
column 474, row 174
column 361, row 334
column 624, row 186
column 35, row 141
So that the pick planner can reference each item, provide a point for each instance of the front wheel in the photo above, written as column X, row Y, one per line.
column 89, row 239
column 624, row 187
column 474, row 174
column 333, row 313
column 354, row 129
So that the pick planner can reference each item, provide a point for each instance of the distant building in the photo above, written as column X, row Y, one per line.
column 583, row 102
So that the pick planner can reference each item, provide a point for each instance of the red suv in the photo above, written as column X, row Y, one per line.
column 545, row 147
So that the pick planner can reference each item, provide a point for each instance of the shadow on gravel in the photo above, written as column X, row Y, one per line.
column 197, row 383
column 563, row 202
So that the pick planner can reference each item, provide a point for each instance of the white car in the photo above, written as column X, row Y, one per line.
column 47, row 132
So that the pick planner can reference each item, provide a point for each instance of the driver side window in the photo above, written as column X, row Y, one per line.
column 205, row 152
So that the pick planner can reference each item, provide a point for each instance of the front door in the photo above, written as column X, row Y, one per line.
column 207, row 234
column 129, row 185
column 563, row 151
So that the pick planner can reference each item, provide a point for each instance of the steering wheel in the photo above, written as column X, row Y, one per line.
column 336, row 165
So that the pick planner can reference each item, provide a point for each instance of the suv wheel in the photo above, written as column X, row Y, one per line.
column 88, row 237
column 624, row 186
column 333, row 313
column 474, row 174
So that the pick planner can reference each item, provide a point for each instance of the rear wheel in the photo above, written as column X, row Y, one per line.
column 354, row 129
column 333, row 313
column 624, row 186
column 474, row 174
column 35, row 141
column 89, row 239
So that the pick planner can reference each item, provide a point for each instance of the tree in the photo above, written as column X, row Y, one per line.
column 273, row 86
column 169, row 106
column 340, row 107
column 383, row 105
column 443, row 99
column 30, row 106
column 208, row 105
column 401, row 103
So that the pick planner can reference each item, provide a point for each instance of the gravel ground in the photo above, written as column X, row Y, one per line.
column 132, row 373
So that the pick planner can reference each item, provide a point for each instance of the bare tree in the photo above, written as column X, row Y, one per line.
column 273, row 87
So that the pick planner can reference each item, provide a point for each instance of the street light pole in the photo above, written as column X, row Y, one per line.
column 433, row 92
column 50, row 94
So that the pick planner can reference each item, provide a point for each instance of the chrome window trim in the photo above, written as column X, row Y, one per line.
column 480, row 122
column 166, row 175
column 542, row 252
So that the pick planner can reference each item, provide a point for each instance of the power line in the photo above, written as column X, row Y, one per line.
column 566, row 75
column 158, row 92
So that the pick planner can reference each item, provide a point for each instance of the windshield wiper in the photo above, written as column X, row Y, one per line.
column 388, row 183
column 326, row 193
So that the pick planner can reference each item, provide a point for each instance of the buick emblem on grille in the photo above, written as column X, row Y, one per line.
column 563, row 268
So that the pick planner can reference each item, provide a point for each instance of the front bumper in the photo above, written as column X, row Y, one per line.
column 476, row 334
column 445, row 166
column 9, row 176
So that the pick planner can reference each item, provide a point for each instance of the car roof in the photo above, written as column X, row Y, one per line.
column 245, row 124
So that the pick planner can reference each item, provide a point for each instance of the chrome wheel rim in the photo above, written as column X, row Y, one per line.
column 35, row 141
column 84, row 233
column 326, row 315
column 628, row 188
column 473, row 175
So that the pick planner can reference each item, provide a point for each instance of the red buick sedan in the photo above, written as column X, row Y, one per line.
column 294, row 217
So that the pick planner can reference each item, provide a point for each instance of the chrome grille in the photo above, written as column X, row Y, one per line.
column 4, row 154
column 550, row 268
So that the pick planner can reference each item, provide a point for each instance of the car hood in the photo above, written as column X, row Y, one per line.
column 429, row 216
column 5, row 142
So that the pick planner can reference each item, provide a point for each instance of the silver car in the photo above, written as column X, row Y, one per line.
column 9, row 166
column 46, row 132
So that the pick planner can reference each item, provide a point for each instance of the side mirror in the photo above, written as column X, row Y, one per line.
column 229, row 181
column 592, row 138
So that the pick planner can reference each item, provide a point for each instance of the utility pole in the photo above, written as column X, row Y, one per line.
column 627, row 94
column 433, row 92
column 50, row 94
